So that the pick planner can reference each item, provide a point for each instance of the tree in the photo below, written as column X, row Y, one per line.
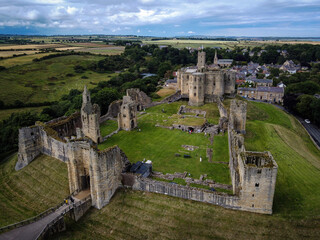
column 304, row 105
column 163, row 68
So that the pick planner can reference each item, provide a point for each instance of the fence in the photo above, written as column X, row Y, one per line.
column 59, row 217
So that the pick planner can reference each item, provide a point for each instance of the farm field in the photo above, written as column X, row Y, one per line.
column 48, row 80
column 111, row 50
column 20, row 60
column 30, row 46
column 33, row 189
column 205, row 43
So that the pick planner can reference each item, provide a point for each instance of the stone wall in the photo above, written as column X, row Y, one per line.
column 140, row 98
column 253, row 174
column 175, row 190
column 29, row 146
column 66, row 126
column 105, row 174
column 90, row 117
column 238, row 116
column 183, row 109
column 127, row 118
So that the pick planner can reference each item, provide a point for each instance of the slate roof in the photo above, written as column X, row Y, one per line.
column 270, row 89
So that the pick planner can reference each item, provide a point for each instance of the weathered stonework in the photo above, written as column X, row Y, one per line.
column 140, row 98
column 204, row 84
column 127, row 118
column 238, row 116
column 90, row 117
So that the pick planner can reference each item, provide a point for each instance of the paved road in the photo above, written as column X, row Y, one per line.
column 312, row 129
column 32, row 231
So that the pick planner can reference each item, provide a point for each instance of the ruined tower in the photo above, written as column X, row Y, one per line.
column 196, row 89
column 238, row 116
column 90, row 116
column 127, row 118
column 215, row 60
column 201, row 60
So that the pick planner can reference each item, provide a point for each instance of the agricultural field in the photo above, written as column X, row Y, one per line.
column 206, row 43
column 33, row 189
column 110, row 50
column 49, row 79
column 20, row 60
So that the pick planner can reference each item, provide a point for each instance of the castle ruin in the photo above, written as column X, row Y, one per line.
column 127, row 117
column 74, row 139
column 203, row 84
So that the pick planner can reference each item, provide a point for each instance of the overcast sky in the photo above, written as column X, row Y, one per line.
column 281, row 18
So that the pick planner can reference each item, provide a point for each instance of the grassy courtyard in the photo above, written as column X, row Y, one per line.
column 108, row 127
column 161, row 145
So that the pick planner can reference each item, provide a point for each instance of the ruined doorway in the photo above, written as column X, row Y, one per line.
column 85, row 182
column 190, row 129
column 132, row 124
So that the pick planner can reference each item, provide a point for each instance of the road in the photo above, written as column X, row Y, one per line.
column 32, row 230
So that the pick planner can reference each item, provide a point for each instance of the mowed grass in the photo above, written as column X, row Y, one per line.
column 140, row 215
column 160, row 146
column 11, row 62
column 25, row 193
column 48, row 80
column 6, row 113
column 297, row 189
column 108, row 127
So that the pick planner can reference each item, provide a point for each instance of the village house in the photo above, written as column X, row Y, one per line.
column 267, row 94
column 260, row 82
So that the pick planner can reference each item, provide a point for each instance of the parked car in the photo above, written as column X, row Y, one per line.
column 307, row 120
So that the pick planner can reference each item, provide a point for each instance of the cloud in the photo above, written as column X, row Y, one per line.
column 206, row 16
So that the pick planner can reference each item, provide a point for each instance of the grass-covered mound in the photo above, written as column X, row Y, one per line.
column 297, row 188
column 25, row 193
column 161, row 145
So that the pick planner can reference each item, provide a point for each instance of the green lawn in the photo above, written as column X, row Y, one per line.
column 48, row 80
column 220, row 151
column 108, row 127
column 33, row 189
column 160, row 146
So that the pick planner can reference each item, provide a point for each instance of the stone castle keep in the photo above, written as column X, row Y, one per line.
column 74, row 139
column 203, row 84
